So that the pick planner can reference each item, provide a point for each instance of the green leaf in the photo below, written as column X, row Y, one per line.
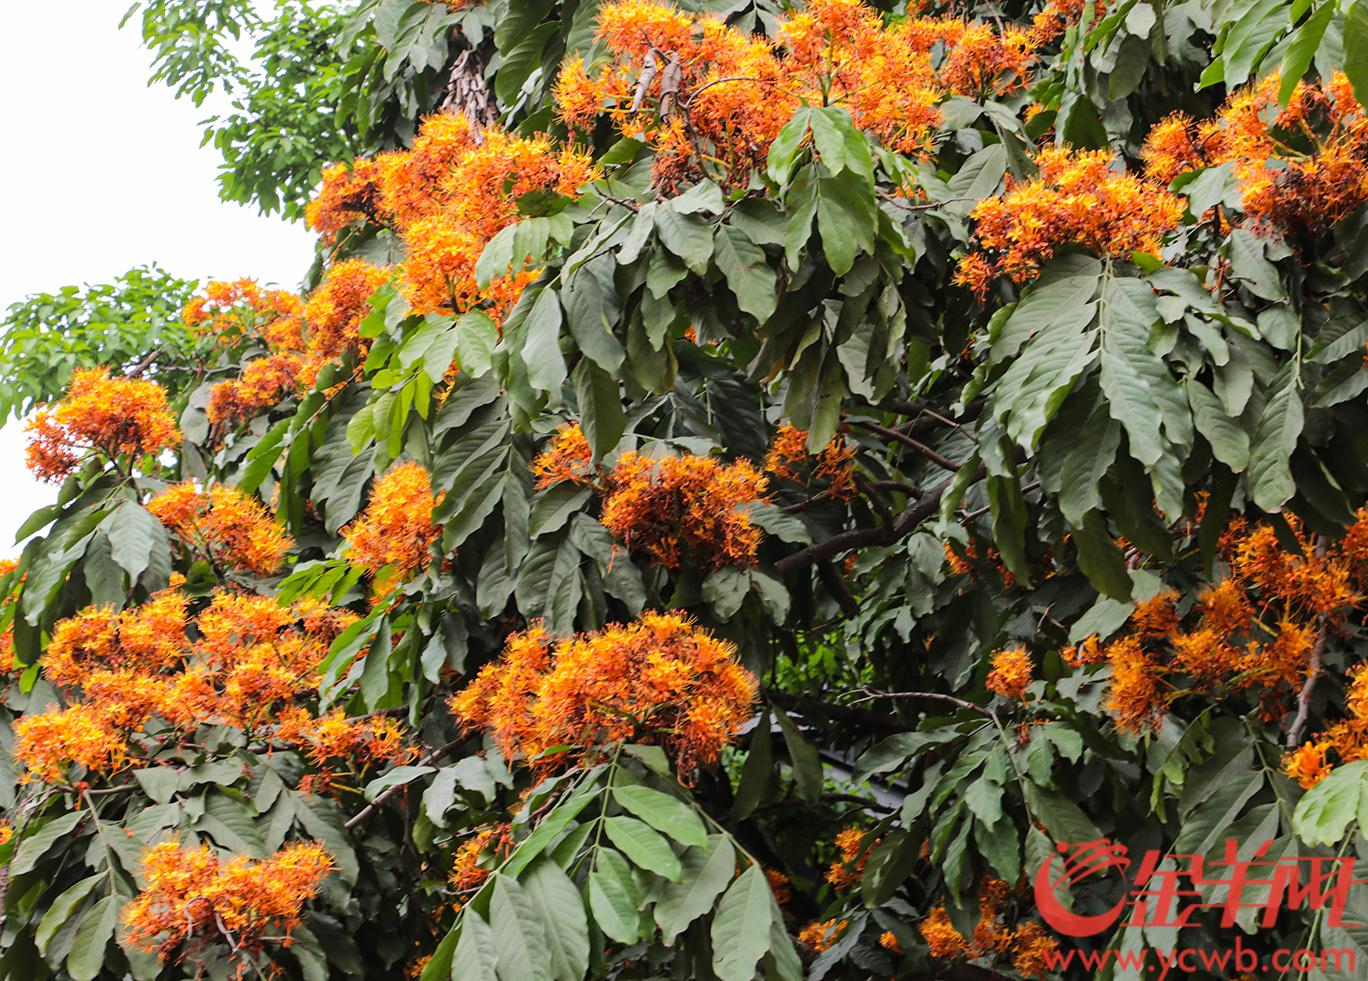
column 158, row 782
column 613, row 897
column 133, row 535
column 748, row 273
column 1356, row 49
column 757, row 771
column 519, row 934
column 1135, row 379
column 1100, row 558
column 807, row 765
column 475, row 957
column 553, row 507
column 1325, row 812
column 34, row 846
column 396, row 777
column 845, row 219
column 741, row 926
column 668, row 815
column 1229, row 442
column 600, row 402
column 559, row 908
column 263, row 457
column 476, row 337
column 1302, row 48
column 1061, row 817
column 687, row 236
column 1280, row 426
column 705, row 874
column 646, row 848
column 62, row 909
column 1251, row 267
column 541, row 350
column 87, row 955
column 725, row 590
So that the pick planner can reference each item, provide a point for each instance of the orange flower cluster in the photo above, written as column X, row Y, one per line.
column 1028, row 944
column 684, row 509
column 709, row 99
column 333, row 315
column 446, row 197
column 110, row 416
column 227, row 526
column 780, row 886
column 241, row 309
column 468, row 869
column 1301, row 168
column 242, row 902
column 1077, row 199
column 1254, row 631
column 393, row 538
column 961, row 562
column 846, row 871
column 346, row 198
column 835, row 463
column 156, row 671
column 1011, row 673
column 660, row 679
column 567, row 456
column 819, row 935
column 1058, row 16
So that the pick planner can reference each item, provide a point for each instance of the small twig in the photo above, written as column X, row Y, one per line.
column 932, row 696
column 1294, row 734
column 375, row 805
column 939, row 459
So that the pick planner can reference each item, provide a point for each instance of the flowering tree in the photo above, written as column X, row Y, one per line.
column 739, row 494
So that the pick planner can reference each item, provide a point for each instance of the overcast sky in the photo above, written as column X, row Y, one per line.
column 104, row 173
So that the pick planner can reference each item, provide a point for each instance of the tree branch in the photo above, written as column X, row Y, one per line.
column 886, row 534
column 917, row 445
column 384, row 795
column 1294, row 734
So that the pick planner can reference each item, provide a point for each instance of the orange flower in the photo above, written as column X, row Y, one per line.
column 567, row 457
column 335, row 310
column 1077, row 199
column 846, row 871
column 244, row 903
column 110, row 416
column 241, row 309
column 1307, row 764
column 1292, row 191
column 349, row 195
column 942, row 939
column 1032, row 950
column 820, row 935
column 264, row 383
column 780, row 886
column 684, row 509
column 888, row 940
column 82, row 735
column 1135, row 697
column 1011, row 673
column 393, row 538
column 660, row 679
column 232, row 528
column 788, row 455
column 468, row 870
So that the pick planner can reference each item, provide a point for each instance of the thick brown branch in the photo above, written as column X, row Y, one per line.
column 886, row 534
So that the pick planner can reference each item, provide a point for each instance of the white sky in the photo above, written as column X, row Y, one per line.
column 104, row 173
